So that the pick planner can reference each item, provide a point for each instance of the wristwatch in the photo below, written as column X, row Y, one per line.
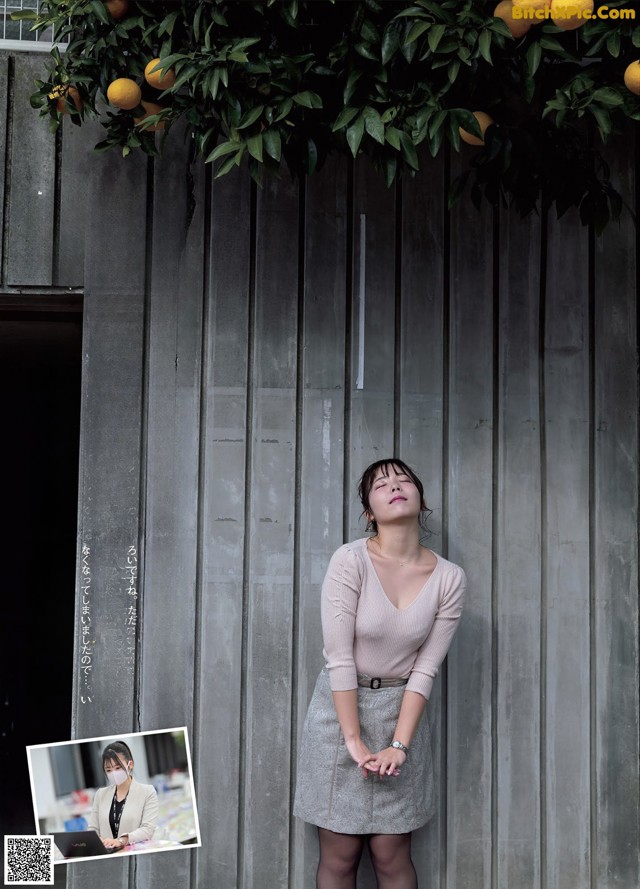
column 400, row 746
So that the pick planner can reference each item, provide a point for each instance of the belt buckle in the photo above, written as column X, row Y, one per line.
column 375, row 683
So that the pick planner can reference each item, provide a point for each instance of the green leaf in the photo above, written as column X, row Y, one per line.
column 452, row 71
column 352, row 82
column 23, row 14
column 390, row 170
column 436, row 142
column 272, row 143
column 250, row 117
column 552, row 43
column 167, row 25
column 613, row 44
column 534, row 54
column 345, row 117
column 373, row 124
column 435, row 36
column 222, row 149
column 467, row 120
column 416, row 30
column 602, row 119
column 409, row 151
column 354, row 134
column 392, row 135
column 308, row 99
column 285, row 108
column 608, row 96
column 254, row 147
column 369, row 32
column 100, row 10
column 484, row 44
column 224, row 168
column 390, row 41
column 436, row 122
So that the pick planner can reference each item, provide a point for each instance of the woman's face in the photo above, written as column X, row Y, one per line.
column 117, row 771
column 393, row 496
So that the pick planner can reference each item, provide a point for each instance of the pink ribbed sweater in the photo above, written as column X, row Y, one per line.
column 365, row 633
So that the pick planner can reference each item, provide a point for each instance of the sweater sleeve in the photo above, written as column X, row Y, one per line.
column 339, row 604
column 149, row 819
column 433, row 650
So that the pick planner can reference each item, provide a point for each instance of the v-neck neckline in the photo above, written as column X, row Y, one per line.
column 382, row 590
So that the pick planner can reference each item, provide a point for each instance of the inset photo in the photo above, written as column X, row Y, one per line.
column 116, row 795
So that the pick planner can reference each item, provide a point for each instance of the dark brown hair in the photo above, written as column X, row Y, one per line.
column 366, row 483
column 113, row 751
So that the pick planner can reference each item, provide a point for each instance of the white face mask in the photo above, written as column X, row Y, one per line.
column 117, row 776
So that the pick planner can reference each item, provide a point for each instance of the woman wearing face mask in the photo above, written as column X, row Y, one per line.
column 125, row 811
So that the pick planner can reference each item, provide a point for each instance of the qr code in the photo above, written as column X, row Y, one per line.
column 28, row 860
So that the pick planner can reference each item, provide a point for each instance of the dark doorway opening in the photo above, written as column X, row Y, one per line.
column 40, row 374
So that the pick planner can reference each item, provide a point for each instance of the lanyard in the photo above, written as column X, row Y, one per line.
column 116, row 812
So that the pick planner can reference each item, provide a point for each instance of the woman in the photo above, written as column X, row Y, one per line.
column 125, row 811
column 389, row 610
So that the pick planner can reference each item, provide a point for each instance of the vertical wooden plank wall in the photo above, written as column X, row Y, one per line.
column 565, row 439
column 420, row 369
column 247, row 352
column 109, row 498
column 614, row 653
column 473, row 837
column 321, row 448
column 220, row 638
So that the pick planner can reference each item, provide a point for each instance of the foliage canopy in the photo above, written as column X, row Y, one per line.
column 288, row 81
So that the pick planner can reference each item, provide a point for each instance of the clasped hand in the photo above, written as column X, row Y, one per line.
column 386, row 762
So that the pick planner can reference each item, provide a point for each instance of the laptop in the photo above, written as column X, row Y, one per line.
column 80, row 844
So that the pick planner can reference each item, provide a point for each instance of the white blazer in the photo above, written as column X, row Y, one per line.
column 139, row 815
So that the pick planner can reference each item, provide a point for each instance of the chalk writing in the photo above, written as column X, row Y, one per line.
column 86, row 643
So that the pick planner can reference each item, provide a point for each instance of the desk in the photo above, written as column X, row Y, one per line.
column 131, row 849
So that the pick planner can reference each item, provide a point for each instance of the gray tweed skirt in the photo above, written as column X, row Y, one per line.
column 330, row 789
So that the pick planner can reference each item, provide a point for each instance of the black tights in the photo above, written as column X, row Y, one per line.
column 340, row 855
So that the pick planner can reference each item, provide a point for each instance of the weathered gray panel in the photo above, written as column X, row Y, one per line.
column 30, row 232
column 469, row 481
column 109, row 484
column 76, row 162
column 615, row 652
column 4, row 114
column 270, row 579
column 421, row 428
column 322, row 445
column 518, row 580
column 173, row 424
column 372, row 330
column 220, row 637
column 566, row 549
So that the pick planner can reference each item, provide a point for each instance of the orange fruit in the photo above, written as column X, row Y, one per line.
column 484, row 120
column 160, row 80
column 565, row 13
column 124, row 93
column 518, row 27
column 62, row 93
column 150, row 108
column 117, row 8
column 632, row 77
column 533, row 4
